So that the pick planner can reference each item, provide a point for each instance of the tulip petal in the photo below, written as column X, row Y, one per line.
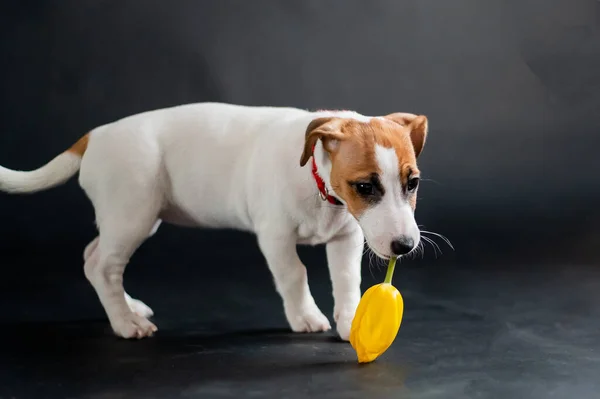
column 376, row 321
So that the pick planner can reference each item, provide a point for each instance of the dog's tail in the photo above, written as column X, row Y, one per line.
column 54, row 173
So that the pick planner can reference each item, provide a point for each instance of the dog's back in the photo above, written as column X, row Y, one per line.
column 214, row 154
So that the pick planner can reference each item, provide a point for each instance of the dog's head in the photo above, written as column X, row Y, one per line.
column 370, row 164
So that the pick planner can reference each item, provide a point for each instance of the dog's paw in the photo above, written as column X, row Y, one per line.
column 133, row 326
column 343, row 320
column 138, row 307
column 310, row 319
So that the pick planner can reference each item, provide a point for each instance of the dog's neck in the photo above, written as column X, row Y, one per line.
column 321, row 170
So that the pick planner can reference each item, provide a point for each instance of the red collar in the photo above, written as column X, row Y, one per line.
column 324, row 193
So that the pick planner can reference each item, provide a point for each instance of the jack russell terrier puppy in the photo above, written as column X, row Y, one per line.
column 216, row 165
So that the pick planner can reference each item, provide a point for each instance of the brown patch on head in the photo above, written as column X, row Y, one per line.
column 354, row 161
column 351, row 143
column 80, row 146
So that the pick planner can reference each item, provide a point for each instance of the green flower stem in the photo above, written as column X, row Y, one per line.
column 390, row 270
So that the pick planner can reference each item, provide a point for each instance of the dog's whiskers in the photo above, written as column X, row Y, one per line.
column 371, row 253
column 419, row 250
column 433, row 244
column 430, row 180
column 444, row 238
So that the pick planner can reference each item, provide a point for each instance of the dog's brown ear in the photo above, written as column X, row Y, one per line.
column 418, row 126
column 326, row 129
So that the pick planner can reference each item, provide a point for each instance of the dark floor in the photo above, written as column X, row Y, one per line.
column 467, row 333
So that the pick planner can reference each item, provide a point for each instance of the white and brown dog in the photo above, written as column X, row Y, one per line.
column 228, row 166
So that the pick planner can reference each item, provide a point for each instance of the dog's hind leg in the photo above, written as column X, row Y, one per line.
column 122, row 175
column 123, row 224
column 138, row 307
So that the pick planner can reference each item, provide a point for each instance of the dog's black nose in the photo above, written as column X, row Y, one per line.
column 402, row 245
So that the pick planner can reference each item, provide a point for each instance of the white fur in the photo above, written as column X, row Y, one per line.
column 54, row 173
column 220, row 166
column 347, row 115
column 392, row 217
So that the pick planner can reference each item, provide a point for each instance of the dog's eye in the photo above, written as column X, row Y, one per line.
column 364, row 188
column 412, row 184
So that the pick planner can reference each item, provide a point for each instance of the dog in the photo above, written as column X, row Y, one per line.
column 216, row 165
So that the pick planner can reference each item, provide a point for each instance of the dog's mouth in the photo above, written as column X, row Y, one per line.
column 385, row 257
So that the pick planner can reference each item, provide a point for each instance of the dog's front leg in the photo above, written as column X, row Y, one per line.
column 344, row 256
column 291, row 282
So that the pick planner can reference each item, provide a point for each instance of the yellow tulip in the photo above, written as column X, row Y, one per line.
column 377, row 319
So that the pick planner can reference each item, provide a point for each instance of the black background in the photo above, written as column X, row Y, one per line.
column 511, row 89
